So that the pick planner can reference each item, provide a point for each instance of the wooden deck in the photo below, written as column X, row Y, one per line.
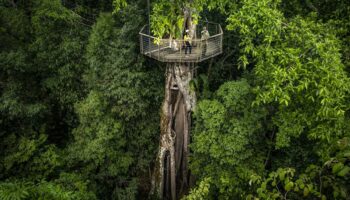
column 167, row 54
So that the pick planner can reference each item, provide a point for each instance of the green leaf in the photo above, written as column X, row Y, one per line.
column 347, row 154
column 337, row 167
column 344, row 171
column 273, row 183
column 306, row 192
column 289, row 186
column 282, row 175
column 296, row 188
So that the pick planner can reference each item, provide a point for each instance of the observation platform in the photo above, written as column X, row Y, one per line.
column 168, row 50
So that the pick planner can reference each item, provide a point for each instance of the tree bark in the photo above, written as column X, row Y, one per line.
column 170, row 181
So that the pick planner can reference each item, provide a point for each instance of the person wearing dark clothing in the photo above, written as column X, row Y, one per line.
column 187, row 40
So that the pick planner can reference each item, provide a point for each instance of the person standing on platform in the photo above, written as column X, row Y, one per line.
column 173, row 45
column 205, row 37
column 188, row 44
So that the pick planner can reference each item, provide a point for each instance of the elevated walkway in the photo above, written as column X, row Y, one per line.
column 164, row 49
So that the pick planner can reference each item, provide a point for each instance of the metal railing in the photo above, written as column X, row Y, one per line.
column 170, row 50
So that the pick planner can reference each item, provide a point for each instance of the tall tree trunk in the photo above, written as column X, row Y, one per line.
column 170, row 181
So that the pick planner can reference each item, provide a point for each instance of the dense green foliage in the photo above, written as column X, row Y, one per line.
column 79, row 106
column 296, row 68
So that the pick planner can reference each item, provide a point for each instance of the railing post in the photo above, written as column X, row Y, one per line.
column 200, row 50
column 180, row 46
column 141, row 44
column 221, row 39
column 149, row 38
column 159, row 50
